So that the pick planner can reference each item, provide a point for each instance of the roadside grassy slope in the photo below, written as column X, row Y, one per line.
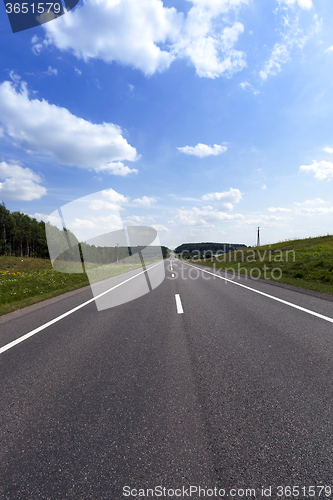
column 26, row 281
column 306, row 263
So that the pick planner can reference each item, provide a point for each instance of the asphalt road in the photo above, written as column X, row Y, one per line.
column 201, row 382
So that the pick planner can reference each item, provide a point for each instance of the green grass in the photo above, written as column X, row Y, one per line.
column 306, row 263
column 25, row 281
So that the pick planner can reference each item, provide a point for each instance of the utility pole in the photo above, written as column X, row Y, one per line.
column 258, row 238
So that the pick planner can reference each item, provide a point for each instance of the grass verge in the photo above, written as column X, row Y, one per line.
column 306, row 263
column 25, row 281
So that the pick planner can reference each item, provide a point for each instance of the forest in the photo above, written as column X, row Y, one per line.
column 21, row 235
column 24, row 236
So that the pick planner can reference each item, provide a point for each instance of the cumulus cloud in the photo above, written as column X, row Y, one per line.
column 226, row 198
column 19, row 183
column 210, row 51
column 145, row 201
column 149, row 36
column 128, row 32
column 202, row 150
column 40, row 127
column 113, row 197
column 328, row 150
column 323, row 170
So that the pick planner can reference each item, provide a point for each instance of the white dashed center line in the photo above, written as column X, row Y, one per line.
column 179, row 304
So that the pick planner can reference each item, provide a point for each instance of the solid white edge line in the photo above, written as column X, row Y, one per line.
column 179, row 304
column 308, row 311
column 55, row 320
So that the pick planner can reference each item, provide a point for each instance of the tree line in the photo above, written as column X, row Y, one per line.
column 24, row 236
column 21, row 235
column 187, row 250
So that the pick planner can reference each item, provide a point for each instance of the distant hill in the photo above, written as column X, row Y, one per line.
column 191, row 248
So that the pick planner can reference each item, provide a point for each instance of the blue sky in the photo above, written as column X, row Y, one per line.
column 202, row 118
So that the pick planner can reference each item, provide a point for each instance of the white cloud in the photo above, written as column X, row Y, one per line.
column 56, row 221
column 303, row 4
column 279, row 56
column 330, row 49
column 83, row 223
column 19, row 183
column 116, row 168
column 249, row 87
column 210, row 51
column 202, row 150
column 128, row 32
column 148, row 36
column 264, row 187
column 37, row 46
column 292, row 36
column 276, row 217
column 109, row 222
column 187, row 198
column 206, row 216
column 328, row 150
column 138, row 220
column 145, row 201
column 323, row 170
column 279, row 209
column 160, row 227
column 112, row 196
column 316, row 206
column 109, row 200
column 103, row 205
column 52, row 71
column 77, row 71
column 226, row 198
column 40, row 127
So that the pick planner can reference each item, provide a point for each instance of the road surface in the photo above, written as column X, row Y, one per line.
column 201, row 383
